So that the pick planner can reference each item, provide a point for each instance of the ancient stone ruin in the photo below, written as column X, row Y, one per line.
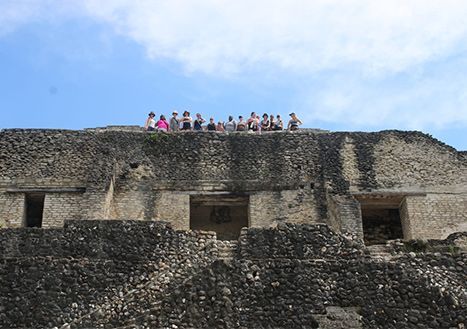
column 117, row 228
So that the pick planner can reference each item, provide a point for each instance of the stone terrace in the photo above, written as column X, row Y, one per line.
column 109, row 274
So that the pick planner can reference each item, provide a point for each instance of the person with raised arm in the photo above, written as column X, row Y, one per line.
column 252, row 122
column 197, row 125
column 220, row 126
column 294, row 122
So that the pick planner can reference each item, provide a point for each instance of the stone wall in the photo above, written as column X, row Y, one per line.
column 11, row 209
column 52, row 277
column 133, row 204
column 51, row 158
column 135, row 274
column 298, row 276
column 108, row 239
column 344, row 215
column 58, row 206
column 434, row 216
column 268, row 208
column 129, row 174
column 174, row 207
column 417, row 162
column 246, row 161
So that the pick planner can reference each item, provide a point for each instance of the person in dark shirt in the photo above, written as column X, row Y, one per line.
column 186, row 121
column 197, row 125
column 211, row 125
column 278, row 124
column 265, row 123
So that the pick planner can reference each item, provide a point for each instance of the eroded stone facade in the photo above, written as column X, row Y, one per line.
column 142, row 274
column 299, row 177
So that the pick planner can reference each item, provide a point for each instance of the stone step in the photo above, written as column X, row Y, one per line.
column 226, row 249
column 381, row 251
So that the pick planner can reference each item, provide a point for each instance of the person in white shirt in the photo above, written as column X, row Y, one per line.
column 150, row 122
column 230, row 125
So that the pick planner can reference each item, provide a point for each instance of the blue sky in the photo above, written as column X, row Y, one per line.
column 353, row 65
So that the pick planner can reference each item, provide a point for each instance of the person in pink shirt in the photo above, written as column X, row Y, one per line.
column 162, row 124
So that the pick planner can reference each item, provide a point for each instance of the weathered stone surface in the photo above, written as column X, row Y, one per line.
column 137, row 272
column 146, row 275
column 300, row 177
column 340, row 318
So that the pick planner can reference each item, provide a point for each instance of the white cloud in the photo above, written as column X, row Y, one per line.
column 305, row 39
column 435, row 100
column 224, row 37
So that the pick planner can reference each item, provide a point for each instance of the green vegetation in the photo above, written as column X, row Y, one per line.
column 156, row 138
column 417, row 246
column 420, row 246
column 453, row 250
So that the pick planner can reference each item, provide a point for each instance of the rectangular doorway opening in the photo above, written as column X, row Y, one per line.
column 34, row 209
column 381, row 218
column 223, row 214
column 381, row 225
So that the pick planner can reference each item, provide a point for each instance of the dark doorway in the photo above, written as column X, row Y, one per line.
column 223, row 214
column 34, row 209
column 381, row 225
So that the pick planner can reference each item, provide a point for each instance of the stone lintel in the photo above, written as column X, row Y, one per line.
column 230, row 186
column 46, row 190
column 379, row 199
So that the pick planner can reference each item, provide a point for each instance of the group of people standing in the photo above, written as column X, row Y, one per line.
column 253, row 124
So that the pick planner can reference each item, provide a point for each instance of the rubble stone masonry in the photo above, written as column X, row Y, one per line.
column 299, row 177
column 115, row 249
column 141, row 274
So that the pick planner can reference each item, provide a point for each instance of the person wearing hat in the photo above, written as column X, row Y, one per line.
column 186, row 121
column 150, row 122
column 174, row 121
column 294, row 122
